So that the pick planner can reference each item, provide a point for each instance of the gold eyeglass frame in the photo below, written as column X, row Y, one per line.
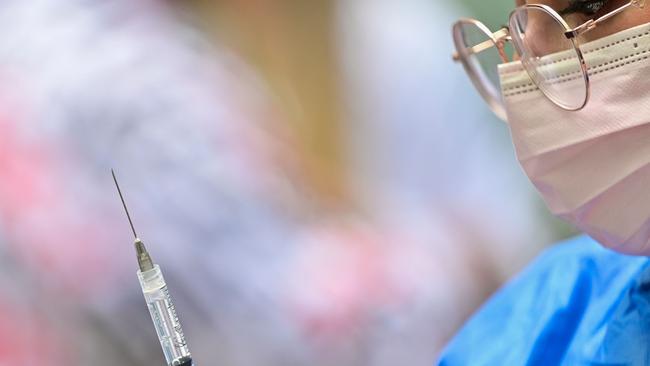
column 499, row 38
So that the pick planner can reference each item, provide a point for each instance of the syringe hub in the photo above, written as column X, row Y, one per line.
column 144, row 259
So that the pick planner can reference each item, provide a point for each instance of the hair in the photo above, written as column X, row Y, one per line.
column 586, row 7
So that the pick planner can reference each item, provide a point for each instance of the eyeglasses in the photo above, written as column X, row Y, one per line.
column 547, row 46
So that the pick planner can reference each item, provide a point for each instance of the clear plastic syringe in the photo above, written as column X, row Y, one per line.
column 161, row 308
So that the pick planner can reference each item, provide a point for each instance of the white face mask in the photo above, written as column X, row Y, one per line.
column 592, row 166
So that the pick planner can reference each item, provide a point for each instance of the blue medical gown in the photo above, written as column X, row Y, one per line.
column 577, row 304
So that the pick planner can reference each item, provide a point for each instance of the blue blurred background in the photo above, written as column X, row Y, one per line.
column 319, row 181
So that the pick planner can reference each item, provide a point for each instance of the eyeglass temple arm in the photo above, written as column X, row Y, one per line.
column 500, row 35
column 593, row 23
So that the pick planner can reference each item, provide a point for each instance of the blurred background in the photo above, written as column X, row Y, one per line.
column 320, row 183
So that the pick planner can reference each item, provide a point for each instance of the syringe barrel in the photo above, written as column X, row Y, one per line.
column 165, row 320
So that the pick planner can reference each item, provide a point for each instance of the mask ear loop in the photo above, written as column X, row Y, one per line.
column 501, row 44
column 502, row 53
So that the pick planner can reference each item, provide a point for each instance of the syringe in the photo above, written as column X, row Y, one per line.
column 161, row 308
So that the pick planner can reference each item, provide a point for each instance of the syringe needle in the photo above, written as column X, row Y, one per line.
column 119, row 191
column 144, row 259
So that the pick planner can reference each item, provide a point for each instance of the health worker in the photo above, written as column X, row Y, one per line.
column 572, row 80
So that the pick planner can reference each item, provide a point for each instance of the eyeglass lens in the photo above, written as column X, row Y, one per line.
column 481, row 66
column 551, row 59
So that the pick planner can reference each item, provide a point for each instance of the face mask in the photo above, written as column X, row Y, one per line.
column 592, row 167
